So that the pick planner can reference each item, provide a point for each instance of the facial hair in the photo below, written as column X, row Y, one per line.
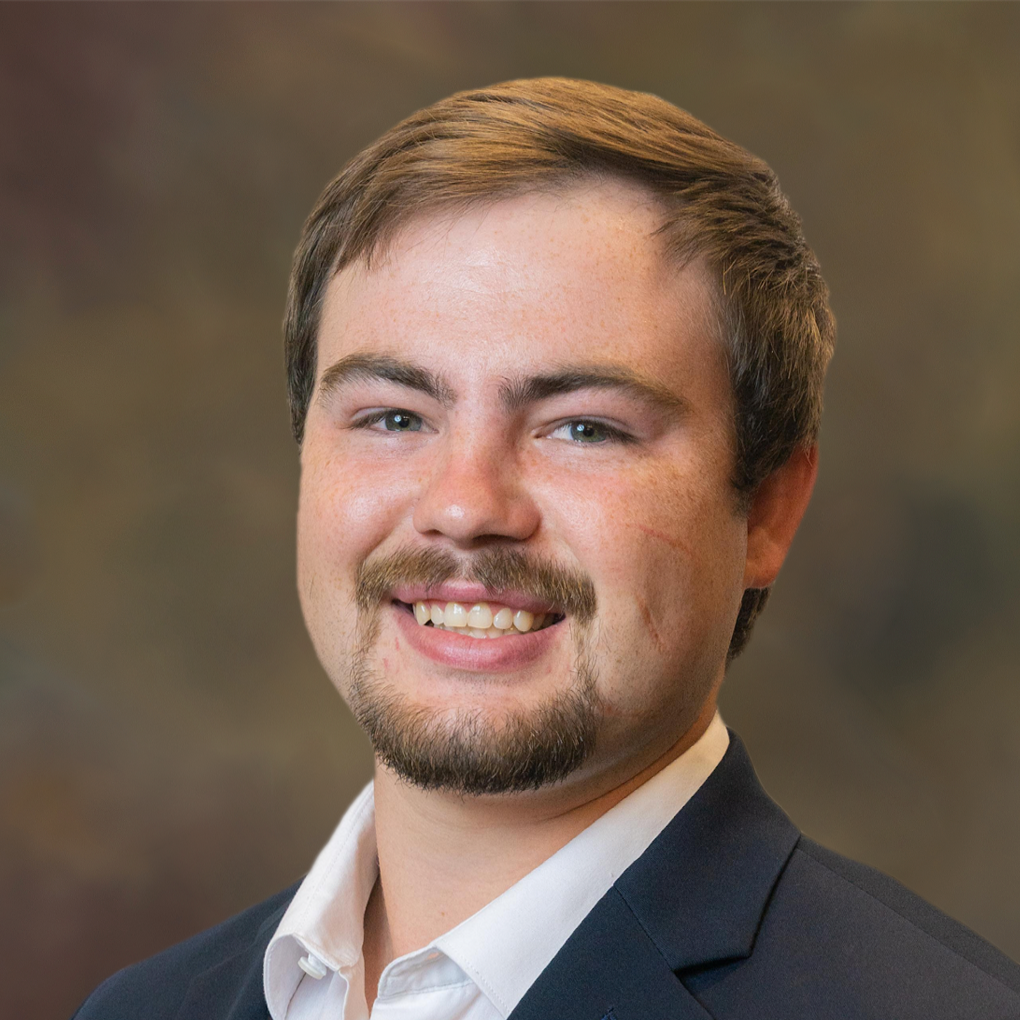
column 463, row 751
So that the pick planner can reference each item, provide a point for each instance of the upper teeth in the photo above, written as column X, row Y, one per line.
column 482, row 619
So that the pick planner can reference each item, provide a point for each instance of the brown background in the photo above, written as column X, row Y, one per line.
column 169, row 748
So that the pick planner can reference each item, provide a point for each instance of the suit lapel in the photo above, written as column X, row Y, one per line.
column 696, row 897
column 609, row 970
column 702, row 887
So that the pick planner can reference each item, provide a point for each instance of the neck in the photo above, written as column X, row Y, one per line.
column 444, row 856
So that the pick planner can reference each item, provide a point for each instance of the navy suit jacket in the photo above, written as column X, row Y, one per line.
column 731, row 914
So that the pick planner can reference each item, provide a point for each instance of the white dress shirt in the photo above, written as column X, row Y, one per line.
column 481, row 969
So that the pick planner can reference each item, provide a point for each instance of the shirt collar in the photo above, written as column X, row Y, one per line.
column 326, row 916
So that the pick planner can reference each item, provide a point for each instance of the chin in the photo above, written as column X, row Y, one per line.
column 477, row 734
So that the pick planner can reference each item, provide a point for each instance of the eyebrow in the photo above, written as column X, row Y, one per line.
column 514, row 393
column 382, row 366
column 517, row 393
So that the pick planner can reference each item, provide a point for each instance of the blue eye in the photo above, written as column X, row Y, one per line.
column 588, row 432
column 401, row 421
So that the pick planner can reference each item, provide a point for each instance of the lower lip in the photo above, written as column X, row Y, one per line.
column 480, row 655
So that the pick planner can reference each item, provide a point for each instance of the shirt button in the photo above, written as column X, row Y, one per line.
column 313, row 966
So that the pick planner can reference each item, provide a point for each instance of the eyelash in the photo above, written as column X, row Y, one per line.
column 612, row 433
column 374, row 417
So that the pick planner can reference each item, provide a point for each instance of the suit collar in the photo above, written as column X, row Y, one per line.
column 609, row 969
column 701, row 888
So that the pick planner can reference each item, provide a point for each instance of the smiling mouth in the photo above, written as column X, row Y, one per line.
column 478, row 619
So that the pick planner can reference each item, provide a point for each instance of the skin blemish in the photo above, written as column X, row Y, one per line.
column 646, row 615
column 676, row 543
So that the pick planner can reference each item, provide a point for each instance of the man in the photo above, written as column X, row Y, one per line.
column 555, row 355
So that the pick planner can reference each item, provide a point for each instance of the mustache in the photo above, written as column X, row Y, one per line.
column 498, row 569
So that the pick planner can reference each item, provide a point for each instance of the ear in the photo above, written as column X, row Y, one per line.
column 776, row 509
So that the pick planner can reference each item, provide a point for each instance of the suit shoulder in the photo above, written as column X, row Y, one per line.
column 155, row 988
column 841, row 941
column 936, row 927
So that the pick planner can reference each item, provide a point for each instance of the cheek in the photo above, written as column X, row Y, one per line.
column 345, row 510
column 665, row 550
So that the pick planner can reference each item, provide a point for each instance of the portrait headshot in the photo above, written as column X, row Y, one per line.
column 553, row 619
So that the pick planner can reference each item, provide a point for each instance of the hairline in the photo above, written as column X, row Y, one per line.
column 449, row 209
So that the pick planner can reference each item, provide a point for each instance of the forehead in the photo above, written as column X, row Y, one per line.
column 574, row 274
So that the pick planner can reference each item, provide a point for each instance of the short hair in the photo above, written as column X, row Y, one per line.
column 721, row 204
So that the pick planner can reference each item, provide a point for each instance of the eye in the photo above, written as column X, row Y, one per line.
column 589, row 432
column 391, row 420
column 401, row 421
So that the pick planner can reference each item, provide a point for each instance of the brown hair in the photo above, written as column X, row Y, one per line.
column 721, row 204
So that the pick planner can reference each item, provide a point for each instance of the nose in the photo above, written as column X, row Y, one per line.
column 475, row 494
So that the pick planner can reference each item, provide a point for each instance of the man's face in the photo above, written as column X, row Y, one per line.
column 522, row 406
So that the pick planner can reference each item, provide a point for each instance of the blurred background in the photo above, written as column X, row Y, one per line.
column 170, row 750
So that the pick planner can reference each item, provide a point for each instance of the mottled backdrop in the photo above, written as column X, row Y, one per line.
column 170, row 750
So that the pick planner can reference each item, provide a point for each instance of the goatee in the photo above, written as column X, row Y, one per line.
column 464, row 751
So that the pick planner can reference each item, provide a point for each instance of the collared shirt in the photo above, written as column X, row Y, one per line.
column 482, row 968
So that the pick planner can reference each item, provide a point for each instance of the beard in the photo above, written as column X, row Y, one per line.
column 463, row 751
